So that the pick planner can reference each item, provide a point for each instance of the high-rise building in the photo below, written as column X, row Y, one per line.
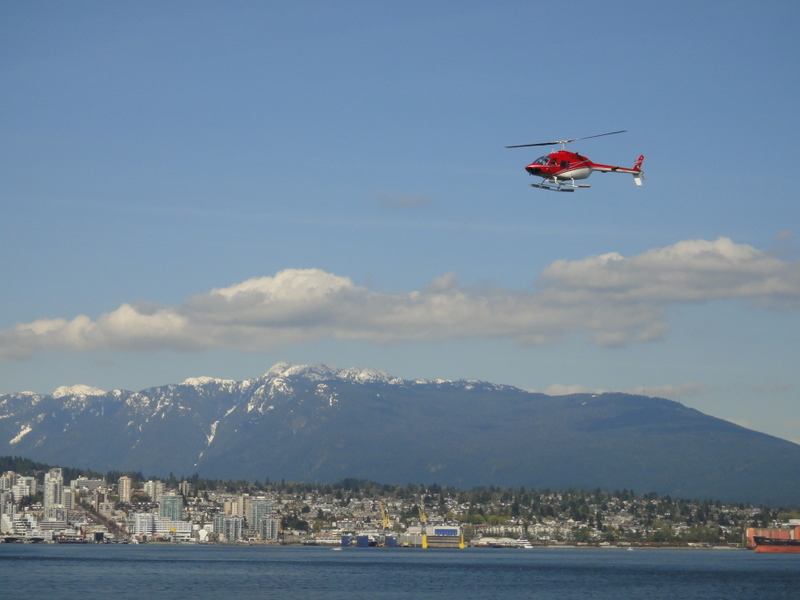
column 7, row 480
column 25, row 486
column 68, row 498
column 171, row 507
column 228, row 507
column 244, row 506
column 260, row 509
column 269, row 528
column 185, row 488
column 124, row 488
column 53, row 488
column 154, row 489
column 141, row 523
column 229, row 528
column 6, row 503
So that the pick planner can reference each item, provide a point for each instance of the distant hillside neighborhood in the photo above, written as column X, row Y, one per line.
column 39, row 504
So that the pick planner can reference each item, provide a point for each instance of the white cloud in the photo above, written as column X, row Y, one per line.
column 565, row 390
column 689, row 271
column 670, row 391
column 612, row 299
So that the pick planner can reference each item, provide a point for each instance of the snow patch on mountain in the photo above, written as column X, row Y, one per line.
column 432, row 381
column 368, row 375
column 22, row 433
column 201, row 381
column 323, row 372
column 316, row 372
column 78, row 390
column 210, row 436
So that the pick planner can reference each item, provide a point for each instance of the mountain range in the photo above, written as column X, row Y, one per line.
column 319, row 423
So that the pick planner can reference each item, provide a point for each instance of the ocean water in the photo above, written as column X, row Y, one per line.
column 155, row 572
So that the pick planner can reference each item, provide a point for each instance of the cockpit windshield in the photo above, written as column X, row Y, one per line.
column 542, row 160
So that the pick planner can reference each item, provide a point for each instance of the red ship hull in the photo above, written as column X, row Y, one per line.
column 776, row 546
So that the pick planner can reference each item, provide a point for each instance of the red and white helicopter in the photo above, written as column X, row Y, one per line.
column 561, row 168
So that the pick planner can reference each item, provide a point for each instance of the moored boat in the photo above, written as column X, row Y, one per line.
column 523, row 542
column 776, row 545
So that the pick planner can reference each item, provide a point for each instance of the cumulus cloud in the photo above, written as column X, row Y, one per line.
column 612, row 299
column 689, row 271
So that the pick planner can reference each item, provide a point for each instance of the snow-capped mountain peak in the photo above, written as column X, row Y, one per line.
column 322, row 372
column 316, row 372
column 368, row 375
column 78, row 390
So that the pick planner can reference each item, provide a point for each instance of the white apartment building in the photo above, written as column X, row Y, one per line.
column 53, row 489
column 151, row 524
column 154, row 489
column 124, row 489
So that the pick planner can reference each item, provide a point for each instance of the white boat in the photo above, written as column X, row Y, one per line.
column 523, row 542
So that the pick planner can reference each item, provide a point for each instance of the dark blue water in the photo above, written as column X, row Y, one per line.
column 155, row 572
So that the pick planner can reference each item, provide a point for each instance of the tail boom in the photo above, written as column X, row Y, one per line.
column 636, row 171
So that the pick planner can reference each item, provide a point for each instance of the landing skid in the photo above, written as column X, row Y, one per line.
column 559, row 186
column 544, row 186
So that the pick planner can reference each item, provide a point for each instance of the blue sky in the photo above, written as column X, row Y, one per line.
column 206, row 188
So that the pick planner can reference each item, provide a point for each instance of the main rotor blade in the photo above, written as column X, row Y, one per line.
column 600, row 135
column 541, row 144
column 567, row 141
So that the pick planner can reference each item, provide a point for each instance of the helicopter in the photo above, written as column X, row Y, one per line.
column 560, row 169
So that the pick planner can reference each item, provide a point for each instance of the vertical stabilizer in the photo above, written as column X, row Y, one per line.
column 639, row 174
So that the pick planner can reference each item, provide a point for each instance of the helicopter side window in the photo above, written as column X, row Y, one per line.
column 564, row 164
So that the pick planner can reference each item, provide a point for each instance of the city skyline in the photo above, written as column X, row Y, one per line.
column 373, row 514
